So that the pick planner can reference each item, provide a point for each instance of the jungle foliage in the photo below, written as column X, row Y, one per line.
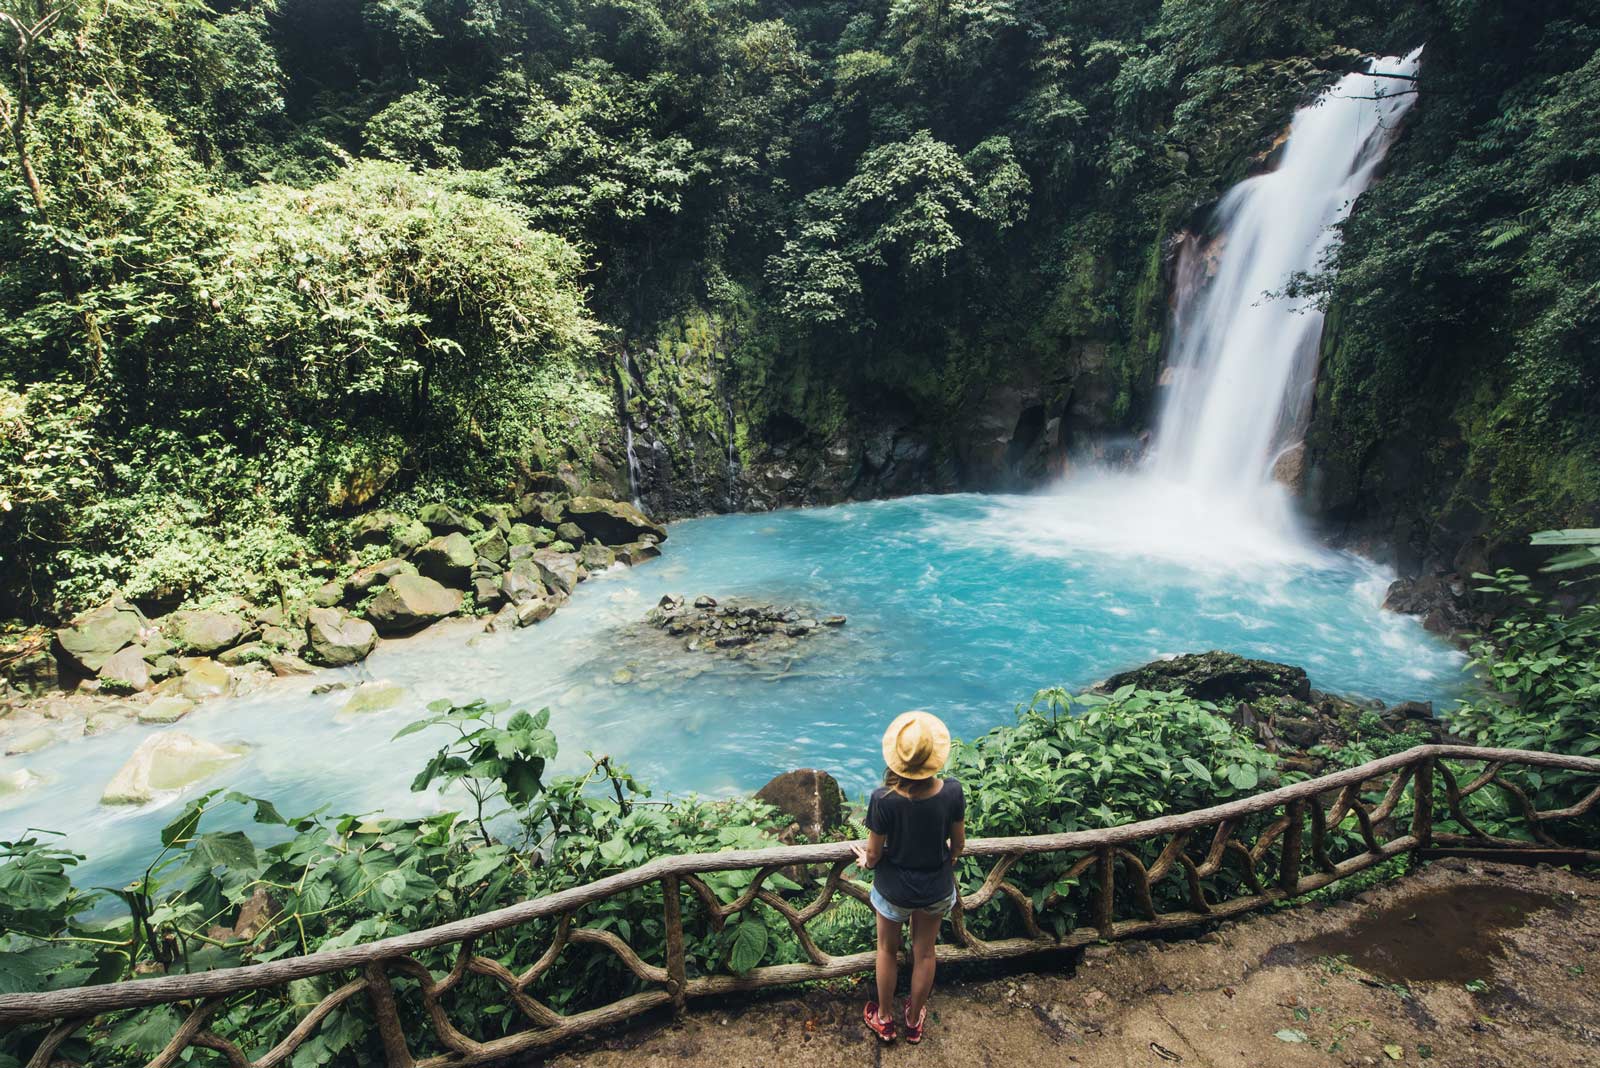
column 260, row 259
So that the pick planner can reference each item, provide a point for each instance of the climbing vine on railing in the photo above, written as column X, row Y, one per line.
column 1029, row 894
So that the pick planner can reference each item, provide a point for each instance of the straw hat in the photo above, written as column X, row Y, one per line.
column 916, row 745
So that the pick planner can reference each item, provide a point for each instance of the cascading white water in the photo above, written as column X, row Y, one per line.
column 1242, row 364
column 1243, row 361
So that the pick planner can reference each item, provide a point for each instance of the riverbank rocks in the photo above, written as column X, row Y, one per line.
column 810, row 797
column 611, row 522
column 447, row 559
column 94, row 637
column 709, row 625
column 335, row 638
column 1217, row 676
column 205, row 633
column 411, row 601
column 163, row 762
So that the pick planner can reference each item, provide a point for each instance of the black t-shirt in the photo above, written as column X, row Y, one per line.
column 915, row 871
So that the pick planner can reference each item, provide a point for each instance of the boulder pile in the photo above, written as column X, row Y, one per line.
column 708, row 625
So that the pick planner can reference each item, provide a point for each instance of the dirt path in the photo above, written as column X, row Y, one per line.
column 1463, row 965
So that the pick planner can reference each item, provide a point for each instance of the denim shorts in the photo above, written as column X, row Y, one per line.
column 895, row 914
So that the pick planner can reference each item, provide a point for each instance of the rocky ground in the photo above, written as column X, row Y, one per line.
column 1462, row 965
column 512, row 564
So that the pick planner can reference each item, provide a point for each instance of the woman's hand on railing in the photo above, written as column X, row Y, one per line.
column 862, row 860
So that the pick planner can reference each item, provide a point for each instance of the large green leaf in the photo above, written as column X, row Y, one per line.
column 749, row 945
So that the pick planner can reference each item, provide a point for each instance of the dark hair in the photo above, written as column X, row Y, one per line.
column 910, row 787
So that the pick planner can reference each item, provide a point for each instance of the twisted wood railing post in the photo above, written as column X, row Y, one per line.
column 380, row 993
column 1105, row 902
column 677, row 966
column 1422, row 809
column 1289, row 864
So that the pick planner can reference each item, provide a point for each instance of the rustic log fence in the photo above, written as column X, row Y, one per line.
column 1197, row 867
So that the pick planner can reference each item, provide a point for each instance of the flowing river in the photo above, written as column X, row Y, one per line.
column 963, row 605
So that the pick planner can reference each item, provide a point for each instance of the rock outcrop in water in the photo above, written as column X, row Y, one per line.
column 708, row 625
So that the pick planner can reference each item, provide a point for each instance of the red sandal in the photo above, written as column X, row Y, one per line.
column 882, row 1026
column 914, row 1030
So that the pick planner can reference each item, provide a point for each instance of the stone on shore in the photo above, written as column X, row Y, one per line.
column 637, row 552
column 91, row 639
column 611, row 522
column 29, row 741
column 203, row 678
column 447, row 559
column 810, row 797
column 166, row 761
column 596, row 557
column 376, row 528
column 559, row 571
column 337, row 638
column 205, row 633
column 363, row 579
column 125, row 671
column 411, row 601
column 285, row 665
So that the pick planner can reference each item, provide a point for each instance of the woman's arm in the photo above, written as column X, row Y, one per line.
column 958, row 840
column 869, row 853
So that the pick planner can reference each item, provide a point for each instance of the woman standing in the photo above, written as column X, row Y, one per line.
column 917, row 831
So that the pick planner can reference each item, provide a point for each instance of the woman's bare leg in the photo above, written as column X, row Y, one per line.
column 888, row 964
column 924, row 937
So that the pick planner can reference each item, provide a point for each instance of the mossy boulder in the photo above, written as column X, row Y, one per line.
column 126, row 671
column 377, row 528
column 596, row 557
column 363, row 579
column 336, row 638
column 411, row 601
column 205, row 633
column 203, row 678
column 1217, row 676
column 447, row 559
column 409, row 536
column 558, row 571
column 571, row 532
column 166, row 710
column 611, row 522
column 493, row 546
column 94, row 637
column 443, row 519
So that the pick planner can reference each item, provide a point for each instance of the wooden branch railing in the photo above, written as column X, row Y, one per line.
column 1196, row 867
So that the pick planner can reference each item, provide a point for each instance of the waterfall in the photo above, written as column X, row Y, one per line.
column 1242, row 363
column 1244, row 357
column 627, row 430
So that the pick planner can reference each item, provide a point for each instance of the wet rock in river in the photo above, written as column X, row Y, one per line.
column 709, row 625
column 170, row 760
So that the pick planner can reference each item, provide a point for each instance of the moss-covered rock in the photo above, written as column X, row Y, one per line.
column 1217, row 676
